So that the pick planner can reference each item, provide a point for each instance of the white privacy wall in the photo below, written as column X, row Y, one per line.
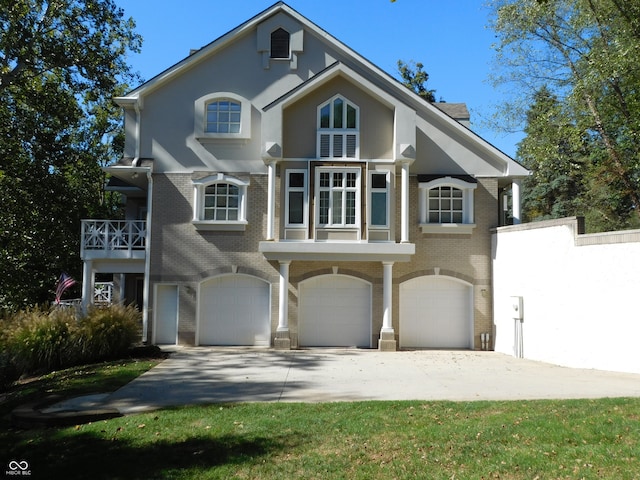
column 581, row 295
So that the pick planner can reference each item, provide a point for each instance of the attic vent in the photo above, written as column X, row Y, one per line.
column 280, row 44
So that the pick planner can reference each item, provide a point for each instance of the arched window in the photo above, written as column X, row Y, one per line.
column 223, row 116
column 338, row 129
column 220, row 203
column 280, row 44
column 446, row 204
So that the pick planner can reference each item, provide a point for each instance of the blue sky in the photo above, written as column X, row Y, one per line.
column 450, row 38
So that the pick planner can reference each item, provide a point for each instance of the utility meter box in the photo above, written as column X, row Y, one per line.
column 516, row 308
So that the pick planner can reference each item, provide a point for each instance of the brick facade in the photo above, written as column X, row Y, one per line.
column 184, row 256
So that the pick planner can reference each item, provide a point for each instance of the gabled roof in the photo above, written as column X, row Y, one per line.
column 449, row 114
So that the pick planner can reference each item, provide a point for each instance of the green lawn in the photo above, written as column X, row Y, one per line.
column 592, row 439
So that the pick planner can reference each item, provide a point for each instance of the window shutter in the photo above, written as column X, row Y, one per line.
column 351, row 146
column 338, row 141
column 324, row 146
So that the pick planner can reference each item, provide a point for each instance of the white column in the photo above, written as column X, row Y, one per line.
column 387, row 297
column 404, row 205
column 515, row 190
column 283, row 312
column 87, row 285
column 271, row 199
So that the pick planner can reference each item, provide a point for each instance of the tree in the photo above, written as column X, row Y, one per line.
column 415, row 79
column 554, row 151
column 60, row 63
column 585, row 52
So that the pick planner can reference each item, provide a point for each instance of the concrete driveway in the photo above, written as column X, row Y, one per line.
column 213, row 375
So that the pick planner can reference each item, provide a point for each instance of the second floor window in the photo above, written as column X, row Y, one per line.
column 223, row 116
column 338, row 129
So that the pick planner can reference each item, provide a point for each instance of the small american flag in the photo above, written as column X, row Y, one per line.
column 64, row 282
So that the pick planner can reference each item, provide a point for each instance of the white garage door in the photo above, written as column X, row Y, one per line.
column 234, row 310
column 435, row 312
column 334, row 311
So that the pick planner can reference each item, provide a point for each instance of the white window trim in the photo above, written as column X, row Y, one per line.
column 199, row 187
column 332, row 132
column 467, row 225
column 370, row 192
column 342, row 226
column 200, row 124
column 305, row 197
column 271, row 57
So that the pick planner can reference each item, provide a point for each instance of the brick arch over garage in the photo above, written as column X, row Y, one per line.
column 436, row 311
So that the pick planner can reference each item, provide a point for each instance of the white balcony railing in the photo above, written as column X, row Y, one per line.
column 114, row 238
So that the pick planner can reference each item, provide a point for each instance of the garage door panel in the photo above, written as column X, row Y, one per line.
column 335, row 311
column 435, row 312
column 235, row 310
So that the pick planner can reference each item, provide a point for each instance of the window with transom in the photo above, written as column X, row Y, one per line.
column 338, row 129
column 338, row 197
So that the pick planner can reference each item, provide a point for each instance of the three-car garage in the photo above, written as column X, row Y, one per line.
column 435, row 311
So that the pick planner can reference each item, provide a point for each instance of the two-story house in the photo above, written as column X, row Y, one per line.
column 284, row 191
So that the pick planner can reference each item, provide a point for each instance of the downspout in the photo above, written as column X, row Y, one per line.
column 147, row 260
column 136, row 156
column 147, row 248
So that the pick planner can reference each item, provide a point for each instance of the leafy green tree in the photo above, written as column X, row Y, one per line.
column 554, row 151
column 60, row 63
column 585, row 52
column 415, row 78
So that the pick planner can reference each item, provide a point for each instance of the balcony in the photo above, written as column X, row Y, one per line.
column 359, row 251
column 113, row 239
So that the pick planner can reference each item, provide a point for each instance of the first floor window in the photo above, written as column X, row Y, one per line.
column 221, row 202
column 379, row 206
column 338, row 191
column 296, row 197
column 445, row 205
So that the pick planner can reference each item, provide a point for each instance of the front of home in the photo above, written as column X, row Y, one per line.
column 284, row 191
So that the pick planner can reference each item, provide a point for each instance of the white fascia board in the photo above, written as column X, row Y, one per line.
column 338, row 251
column 334, row 72
column 206, row 51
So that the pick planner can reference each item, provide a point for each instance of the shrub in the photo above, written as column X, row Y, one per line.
column 40, row 340
column 107, row 332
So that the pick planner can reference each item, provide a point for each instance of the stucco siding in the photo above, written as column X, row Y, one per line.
column 301, row 124
column 579, row 302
